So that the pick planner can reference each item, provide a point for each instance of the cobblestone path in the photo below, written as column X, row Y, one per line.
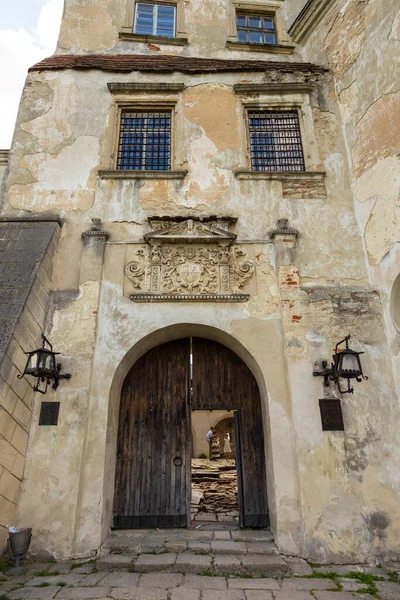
column 199, row 565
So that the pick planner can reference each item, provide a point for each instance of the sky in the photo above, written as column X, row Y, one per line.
column 28, row 32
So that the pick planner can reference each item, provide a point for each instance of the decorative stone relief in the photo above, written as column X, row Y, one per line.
column 189, row 260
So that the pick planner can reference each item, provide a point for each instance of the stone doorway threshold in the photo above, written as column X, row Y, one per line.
column 205, row 548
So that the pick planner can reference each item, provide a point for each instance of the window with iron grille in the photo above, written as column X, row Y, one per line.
column 155, row 19
column 256, row 29
column 275, row 141
column 145, row 141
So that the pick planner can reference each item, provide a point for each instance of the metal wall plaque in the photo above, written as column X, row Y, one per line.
column 49, row 413
column 331, row 414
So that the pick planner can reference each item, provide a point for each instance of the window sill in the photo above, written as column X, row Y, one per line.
column 281, row 175
column 119, row 174
column 268, row 48
column 152, row 39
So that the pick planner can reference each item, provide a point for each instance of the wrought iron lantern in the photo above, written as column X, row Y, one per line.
column 42, row 364
column 346, row 365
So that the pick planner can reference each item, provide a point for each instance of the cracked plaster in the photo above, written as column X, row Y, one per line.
column 283, row 327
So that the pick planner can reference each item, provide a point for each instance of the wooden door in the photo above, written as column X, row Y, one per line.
column 239, row 469
column 222, row 381
column 152, row 484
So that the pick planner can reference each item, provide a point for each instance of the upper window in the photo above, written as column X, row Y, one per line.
column 275, row 141
column 256, row 29
column 144, row 141
column 155, row 19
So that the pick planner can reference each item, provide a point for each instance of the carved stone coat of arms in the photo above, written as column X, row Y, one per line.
column 189, row 260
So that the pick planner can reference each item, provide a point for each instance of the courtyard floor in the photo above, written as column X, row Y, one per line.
column 209, row 563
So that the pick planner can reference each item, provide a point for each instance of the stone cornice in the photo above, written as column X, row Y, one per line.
column 128, row 87
column 95, row 234
column 267, row 48
column 308, row 18
column 190, row 297
column 273, row 88
column 190, row 231
column 129, row 36
column 282, row 228
column 281, row 175
column 120, row 174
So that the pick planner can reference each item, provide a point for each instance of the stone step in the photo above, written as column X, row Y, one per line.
column 136, row 546
column 260, row 565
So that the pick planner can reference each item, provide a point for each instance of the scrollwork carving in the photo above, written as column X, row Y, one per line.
column 241, row 270
column 135, row 269
column 188, row 259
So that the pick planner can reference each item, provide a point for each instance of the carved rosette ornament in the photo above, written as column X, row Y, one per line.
column 189, row 260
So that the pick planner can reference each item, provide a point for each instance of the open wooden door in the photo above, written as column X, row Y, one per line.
column 152, row 484
column 222, row 381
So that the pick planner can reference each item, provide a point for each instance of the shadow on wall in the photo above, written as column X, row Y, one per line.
column 395, row 303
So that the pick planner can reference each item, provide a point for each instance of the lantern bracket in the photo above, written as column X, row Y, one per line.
column 43, row 371
column 337, row 371
column 326, row 373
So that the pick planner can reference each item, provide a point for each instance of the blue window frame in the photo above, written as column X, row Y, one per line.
column 144, row 141
column 275, row 141
column 155, row 19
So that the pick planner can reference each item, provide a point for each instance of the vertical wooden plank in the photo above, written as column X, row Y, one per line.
column 239, row 468
column 222, row 381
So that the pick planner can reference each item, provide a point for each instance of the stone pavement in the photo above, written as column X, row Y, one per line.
column 199, row 565
column 74, row 581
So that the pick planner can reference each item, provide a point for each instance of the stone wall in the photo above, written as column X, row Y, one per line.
column 308, row 289
column 26, row 264
column 204, row 28
column 97, row 327
column 3, row 166
column 360, row 41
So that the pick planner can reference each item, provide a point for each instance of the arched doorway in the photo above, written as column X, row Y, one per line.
column 152, row 484
column 223, row 427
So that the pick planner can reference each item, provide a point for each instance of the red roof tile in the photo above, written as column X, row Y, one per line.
column 138, row 62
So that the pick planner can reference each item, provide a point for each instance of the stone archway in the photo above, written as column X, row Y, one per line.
column 154, row 339
column 152, row 484
column 223, row 426
column 265, row 358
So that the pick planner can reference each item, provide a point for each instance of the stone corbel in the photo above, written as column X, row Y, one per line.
column 95, row 232
column 94, row 241
column 285, row 241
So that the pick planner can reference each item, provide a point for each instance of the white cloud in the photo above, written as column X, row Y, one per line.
column 19, row 50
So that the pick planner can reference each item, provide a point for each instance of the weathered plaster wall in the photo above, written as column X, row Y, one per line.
column 292, row 9
column 297, row 310
column 60, row 147
column 359, row 42
column 95, row 27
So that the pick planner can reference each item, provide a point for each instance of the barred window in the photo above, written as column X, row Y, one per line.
column 145, row 141
column 155, row 19
column 256, row 29
column 275, row 141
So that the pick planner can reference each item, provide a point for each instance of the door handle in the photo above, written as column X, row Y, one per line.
column 177, row 460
